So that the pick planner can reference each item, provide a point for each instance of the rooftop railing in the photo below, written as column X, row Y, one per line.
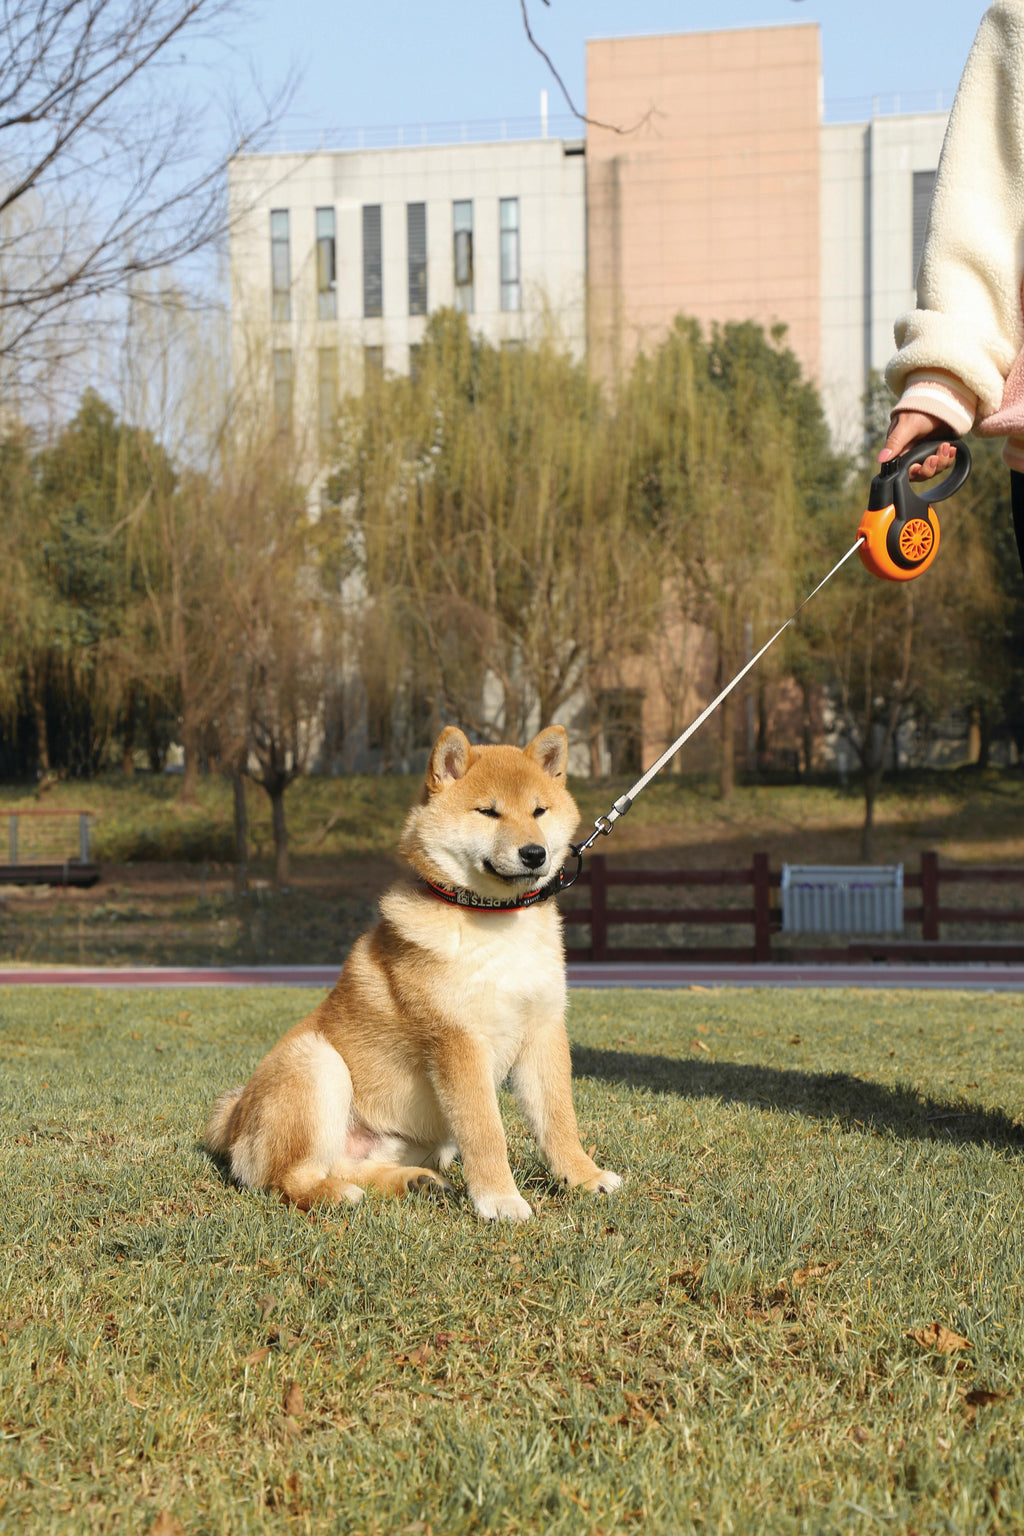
column 563, row 125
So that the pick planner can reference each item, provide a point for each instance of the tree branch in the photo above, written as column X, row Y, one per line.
column 592, row 122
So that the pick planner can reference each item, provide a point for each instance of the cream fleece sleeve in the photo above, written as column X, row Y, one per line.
column 969, row 323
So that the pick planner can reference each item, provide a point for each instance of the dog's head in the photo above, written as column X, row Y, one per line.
column 493, row 820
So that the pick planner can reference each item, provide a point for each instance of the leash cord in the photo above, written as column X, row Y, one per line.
column 603, row 825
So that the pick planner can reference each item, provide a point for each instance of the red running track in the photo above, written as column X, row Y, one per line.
column 985, row 978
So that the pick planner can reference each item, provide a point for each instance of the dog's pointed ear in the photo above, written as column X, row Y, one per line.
column 448, row 760
column 550, row 751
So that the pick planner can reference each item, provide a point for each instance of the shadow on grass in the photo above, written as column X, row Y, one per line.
column 852, row 1102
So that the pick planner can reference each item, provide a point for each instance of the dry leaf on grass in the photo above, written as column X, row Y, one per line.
column 418, row 1356
column 166, row 1525
column 815, row 1271
column 282, row 1338
column 698, row 1045
column 257, row 1356
column 293, row 1403
column 266, row 1305
column 982, row 1397
column 687, row 1275
column 940, row 1338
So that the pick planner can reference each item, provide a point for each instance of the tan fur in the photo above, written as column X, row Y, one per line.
column 397, row 1071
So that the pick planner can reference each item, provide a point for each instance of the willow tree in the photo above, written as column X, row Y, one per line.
column 71, row 523
column 497, row 550
column 726, row 442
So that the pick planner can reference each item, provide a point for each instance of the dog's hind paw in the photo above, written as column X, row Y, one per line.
column 502, row 1208
column 602, row 1183
column 423, row 1182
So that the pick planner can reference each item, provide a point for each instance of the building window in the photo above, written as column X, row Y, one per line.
column 326, row 268
column 280, row 265
column 462, row 231
column 373, row 263
column 284, row 380
column 416, row 233
column 508, row 231
column 924, row 186
column 373, row 363
column 327, row 393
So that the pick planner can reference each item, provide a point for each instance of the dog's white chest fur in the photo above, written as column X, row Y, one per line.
column 499, row 971
column 511, row 974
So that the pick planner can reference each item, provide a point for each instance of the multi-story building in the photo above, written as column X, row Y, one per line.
column 338, row 258
column 707, row 184
column 724, row 197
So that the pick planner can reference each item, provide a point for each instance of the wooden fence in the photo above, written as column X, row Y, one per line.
column 763, row 916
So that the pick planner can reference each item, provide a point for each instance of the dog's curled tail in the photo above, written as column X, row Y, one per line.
column 218, row 1131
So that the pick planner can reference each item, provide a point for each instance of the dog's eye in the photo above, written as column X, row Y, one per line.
column 541, row 810
column 488, row 810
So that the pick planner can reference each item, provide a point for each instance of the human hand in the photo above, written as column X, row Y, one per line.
column 909, row 427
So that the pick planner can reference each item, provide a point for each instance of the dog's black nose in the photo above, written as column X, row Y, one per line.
column 533, row 855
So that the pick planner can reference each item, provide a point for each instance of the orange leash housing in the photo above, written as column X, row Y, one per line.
column 900, row 530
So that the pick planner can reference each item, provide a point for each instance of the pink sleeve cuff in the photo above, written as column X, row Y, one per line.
column 939, row 394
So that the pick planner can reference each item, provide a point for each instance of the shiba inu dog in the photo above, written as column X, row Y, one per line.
column 460, row 985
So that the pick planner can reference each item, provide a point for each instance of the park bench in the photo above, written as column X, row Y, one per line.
column 48, row 847
column 842, row 898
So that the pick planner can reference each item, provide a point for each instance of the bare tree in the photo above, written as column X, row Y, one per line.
column 104, row 176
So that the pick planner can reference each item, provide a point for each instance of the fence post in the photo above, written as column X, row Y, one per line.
column 762, row 909
column 930, row 896
column 83, row 837
column 598, row 908
column 12, row 837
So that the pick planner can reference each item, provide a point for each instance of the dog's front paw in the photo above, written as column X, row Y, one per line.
column 502, row 1208
column 602, row 1183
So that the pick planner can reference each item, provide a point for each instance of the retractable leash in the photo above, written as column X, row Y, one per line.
column 898, row 539
column 900, row 530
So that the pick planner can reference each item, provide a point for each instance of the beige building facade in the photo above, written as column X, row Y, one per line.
column 338, row 258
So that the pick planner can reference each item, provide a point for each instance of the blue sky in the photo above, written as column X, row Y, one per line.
column 371, row 62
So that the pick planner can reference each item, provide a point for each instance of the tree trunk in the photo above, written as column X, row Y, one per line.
column 727, row 770
column 190, row 745
column 872, row 779
column 128, row 744
column 806, row 728
column 39, row 717
column 763, row 729
column 154, row 751
column 282, row 867
column 979, row 737
column 241, row 831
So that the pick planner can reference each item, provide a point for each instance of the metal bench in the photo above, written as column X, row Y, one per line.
column 41, row 849
column 842, row 898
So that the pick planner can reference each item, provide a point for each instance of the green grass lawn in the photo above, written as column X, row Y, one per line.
column 726, row 1345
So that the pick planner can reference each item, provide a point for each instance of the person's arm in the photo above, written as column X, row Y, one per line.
column 957, row 347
